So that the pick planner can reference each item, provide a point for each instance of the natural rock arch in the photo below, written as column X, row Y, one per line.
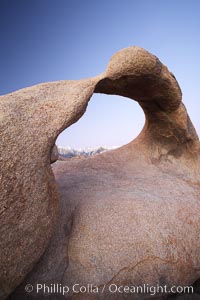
column 165, row 157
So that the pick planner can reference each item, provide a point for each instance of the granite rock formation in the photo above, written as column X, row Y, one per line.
column 128, row 217
column 30, row 120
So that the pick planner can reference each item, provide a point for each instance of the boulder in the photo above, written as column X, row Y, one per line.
column 30, row 121
column 125, row 218
column 54, row 154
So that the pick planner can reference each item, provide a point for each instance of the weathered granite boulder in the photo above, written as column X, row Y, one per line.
column 54, row 154
column 127, row 217
column 30, row 120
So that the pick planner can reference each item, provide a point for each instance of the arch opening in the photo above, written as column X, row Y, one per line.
column 109, row 122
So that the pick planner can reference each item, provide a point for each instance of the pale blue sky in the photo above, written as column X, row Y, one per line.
column 47, row 40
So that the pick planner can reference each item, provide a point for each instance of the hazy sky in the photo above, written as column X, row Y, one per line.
column 48, row 40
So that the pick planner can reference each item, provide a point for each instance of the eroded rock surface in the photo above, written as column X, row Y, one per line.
column 126, row 217
column 30, row 121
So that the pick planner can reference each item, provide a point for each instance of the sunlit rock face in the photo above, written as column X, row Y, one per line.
column 126, row 217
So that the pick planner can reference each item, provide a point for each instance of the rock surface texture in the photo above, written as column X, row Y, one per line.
column 126, row 217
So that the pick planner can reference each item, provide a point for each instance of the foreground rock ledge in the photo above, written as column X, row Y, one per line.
column 126, row 217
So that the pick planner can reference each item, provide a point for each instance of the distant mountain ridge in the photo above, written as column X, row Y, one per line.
column 69, row 152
